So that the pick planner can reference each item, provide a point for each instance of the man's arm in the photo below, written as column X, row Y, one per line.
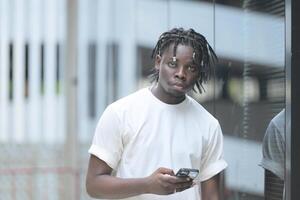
column 273, row 186
column 100, row 183
column 210, row 189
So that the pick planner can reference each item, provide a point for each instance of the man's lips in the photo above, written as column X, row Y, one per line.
column 179, row 85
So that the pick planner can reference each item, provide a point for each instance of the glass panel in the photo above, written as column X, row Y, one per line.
column 249, row 40
column 148, row 31
column 201, row 19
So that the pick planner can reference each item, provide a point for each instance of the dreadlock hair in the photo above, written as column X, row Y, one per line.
column 203, row 56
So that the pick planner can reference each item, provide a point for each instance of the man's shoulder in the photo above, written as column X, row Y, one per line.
column 279, row 120
column 198, row 107
column 200, row 110
column 277, row 125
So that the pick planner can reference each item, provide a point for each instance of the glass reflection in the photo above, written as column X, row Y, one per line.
column 250, row 44
column 273, row 160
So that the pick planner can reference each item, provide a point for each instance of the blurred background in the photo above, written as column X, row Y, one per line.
column 63, row 61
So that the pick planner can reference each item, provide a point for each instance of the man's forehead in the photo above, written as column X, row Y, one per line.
column 170, row 49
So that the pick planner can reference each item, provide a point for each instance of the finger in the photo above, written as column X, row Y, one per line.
column 184, row 185
column 182, row 189
column 170, row 189
column 175, row 179
column 166, row 171
column 172, row 179
column 183, row 179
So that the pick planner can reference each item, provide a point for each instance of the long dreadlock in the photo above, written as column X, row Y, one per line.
column 203, row 56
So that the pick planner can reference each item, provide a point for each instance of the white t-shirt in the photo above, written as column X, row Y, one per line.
column 274, row 146
column 139, row 133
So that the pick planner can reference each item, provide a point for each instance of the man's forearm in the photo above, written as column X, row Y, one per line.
column 109, row 187
column 210, row 189
column 211, row 196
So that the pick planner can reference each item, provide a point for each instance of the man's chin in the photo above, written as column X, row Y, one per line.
column 178, row 92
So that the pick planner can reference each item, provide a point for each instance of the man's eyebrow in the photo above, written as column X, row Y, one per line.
column 191, row 62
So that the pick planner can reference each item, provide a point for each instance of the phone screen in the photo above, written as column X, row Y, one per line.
column 187, row 172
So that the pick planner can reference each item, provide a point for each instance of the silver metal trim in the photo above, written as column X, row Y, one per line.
column 288, row 66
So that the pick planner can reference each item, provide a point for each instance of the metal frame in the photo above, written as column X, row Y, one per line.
column 292, row 100
column 288, row 98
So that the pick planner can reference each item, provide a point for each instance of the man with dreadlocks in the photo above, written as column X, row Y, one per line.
column 141, row 140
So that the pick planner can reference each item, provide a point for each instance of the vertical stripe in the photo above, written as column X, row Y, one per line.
column 19, row 71
column 4, row 73
column 34, row 34
column 50, row 100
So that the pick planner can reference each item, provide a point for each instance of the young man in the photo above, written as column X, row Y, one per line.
column 143, row 139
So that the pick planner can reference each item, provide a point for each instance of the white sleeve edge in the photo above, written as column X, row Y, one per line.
column 272, row 166
column 103, row 155
column 212, row 170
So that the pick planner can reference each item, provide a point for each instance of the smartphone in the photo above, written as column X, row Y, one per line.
column 187, row 172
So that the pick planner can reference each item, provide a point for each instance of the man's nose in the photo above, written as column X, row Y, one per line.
column 180, row 73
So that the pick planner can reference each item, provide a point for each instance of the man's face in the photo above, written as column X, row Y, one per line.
column 176, row 76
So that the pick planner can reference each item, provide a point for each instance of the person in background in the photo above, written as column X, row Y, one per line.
column 143, row 139
column 273, row 157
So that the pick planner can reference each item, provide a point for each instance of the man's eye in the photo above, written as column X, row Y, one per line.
column 172, row 64
column 192, row 68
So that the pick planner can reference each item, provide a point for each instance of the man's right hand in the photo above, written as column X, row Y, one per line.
column 101, row 184
column 163, row 182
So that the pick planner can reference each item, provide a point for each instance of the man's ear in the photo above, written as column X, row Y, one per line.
column 157, row 61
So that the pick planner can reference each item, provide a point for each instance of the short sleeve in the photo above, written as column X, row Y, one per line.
column 107, row 141
column 273, row 151
column 212, row 159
